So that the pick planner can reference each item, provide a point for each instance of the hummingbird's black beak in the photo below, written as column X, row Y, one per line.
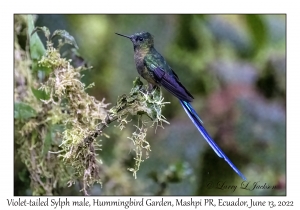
column 129, row 37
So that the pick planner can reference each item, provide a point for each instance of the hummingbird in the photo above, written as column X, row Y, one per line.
column 152, row 66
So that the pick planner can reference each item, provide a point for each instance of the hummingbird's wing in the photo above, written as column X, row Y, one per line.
column 168, row 79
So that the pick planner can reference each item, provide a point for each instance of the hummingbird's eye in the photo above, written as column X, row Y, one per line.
column 141, row 39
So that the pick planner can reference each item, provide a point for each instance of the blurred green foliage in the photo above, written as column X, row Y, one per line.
column 234, row 66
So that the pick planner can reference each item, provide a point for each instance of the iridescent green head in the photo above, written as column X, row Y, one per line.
column 141, row 40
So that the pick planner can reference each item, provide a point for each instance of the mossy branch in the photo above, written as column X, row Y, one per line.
column 138, row 102
column 59, row 106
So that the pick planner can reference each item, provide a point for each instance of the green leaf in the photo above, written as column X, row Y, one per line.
column 40, row 70
column 23, row 175
column 51, row 135
column 37, row 49
column 23, row 111
column 40, row 94
column 258, row 30
column 43, row 29
column 68, row 38
column 137, row 85
column 47, row 142
column 57, row 128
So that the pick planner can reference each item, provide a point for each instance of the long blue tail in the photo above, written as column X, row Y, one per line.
column 198, row 123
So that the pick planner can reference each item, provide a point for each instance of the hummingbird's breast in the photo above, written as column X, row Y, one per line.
column 141, row 67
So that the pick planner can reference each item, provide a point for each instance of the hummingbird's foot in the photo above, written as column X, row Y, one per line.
column 151, row 88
